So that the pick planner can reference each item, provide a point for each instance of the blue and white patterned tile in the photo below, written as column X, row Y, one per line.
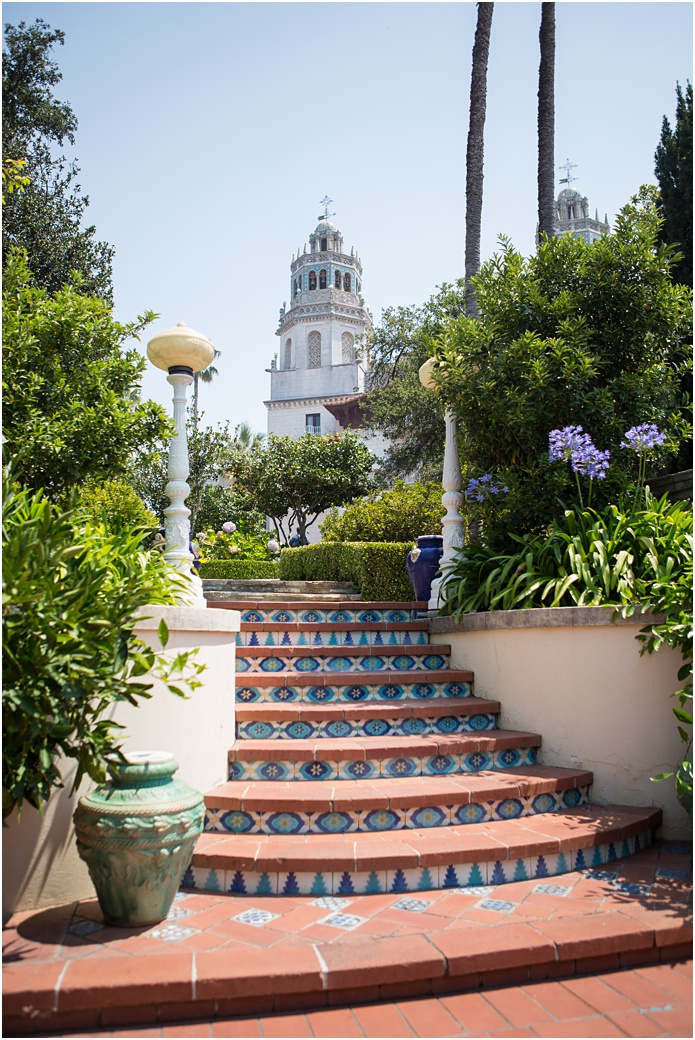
column 552, row 890
column 334, row 822
column 428, row 816
column 248, row 694
column 392, row 692
column 409, row 880
column 237, row 821
column 316, row 770
column 282, row 694
column 540, row 803
column 496, row 906
column 377, row 820
column 457, row 689
column 298, row 730
column 332, row 903
column 440, row 765
column 414, row 906
column 551, row 865
column 475, row 762
column 285, row 822
column 317, row 694
column 257, row 730
column 505, row 809
column 358, row 769
column 400, row 767
column 344, row 921
column 337, row 728
column 669, row 873
column 463, row 875
column 171, row 933
column 474, row 812
column 204, row 879
column 632, row 888
column 256, row 916
column 410, row 727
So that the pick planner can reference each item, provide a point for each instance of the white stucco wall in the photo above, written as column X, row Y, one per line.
column 40, row 865
column 577, row 678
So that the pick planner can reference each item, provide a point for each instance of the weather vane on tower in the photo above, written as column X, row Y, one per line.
column 325, row 202
column 567, row 166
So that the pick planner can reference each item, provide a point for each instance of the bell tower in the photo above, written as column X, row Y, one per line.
column 321, row 357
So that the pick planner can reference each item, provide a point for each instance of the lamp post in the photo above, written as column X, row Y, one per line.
column 180, row 352
column 453, row 528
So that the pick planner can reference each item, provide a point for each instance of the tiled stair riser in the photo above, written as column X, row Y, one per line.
column 332, row 637
column 359, row 614
column 445, row 725
column 238, row 821
column 419, row 879
column 358, row 691
column 362, row 769
column 352, row 663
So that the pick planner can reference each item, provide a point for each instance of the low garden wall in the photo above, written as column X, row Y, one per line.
column 576, row 677
column 40, row 863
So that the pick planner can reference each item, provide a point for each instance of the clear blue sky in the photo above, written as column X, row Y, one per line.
column 208, row 133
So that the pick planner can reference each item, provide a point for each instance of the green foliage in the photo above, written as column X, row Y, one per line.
column 674, row 172
column 627, row 555
column 377, row 569
column 46, row 217
column 70, row 390
column 219, row 504
column 293, row 481
column 577, row 334
column 398, row 515
column 240, row 569
column 219, row 545
column 71, row 595
column 114, row 503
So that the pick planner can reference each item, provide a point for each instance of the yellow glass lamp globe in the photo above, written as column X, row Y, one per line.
column 180, row 347
column 425, row 373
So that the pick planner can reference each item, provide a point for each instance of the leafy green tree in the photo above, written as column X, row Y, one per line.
column 674, row 172
column 71, row 595
column 114, row 503
column 293, row 481
column 46, row 218
column 71, row 392
column 591, row 335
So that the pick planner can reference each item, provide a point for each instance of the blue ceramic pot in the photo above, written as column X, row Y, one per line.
column 423, row 564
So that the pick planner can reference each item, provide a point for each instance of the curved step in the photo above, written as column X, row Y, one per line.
column 392, row 804
column 317, row 687
column 338, row 660
column 355, row 758
column 301, row 720
column 491, row 853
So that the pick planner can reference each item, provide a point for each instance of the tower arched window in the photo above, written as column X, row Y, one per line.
column 287, row 357
column 312, row 280
column 338, row 281
column 314, row 350
column 324, row 245
column 322, row 279
column 348, row 343
column 296, row 287
column 347, row 282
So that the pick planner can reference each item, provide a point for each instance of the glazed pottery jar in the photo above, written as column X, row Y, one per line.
column 136, row 834
column 423, row 563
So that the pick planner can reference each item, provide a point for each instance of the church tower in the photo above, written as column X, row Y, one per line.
column 572, row 212
column 321, row 358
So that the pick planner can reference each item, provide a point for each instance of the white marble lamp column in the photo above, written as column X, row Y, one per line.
column 180, row 352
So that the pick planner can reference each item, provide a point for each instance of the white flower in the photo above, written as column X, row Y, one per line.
column 273, row 546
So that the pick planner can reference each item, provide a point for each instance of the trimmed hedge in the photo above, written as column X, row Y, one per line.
column 241, row 569
column 377, row 569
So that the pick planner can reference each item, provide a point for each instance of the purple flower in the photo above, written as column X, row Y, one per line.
column 481, row 490
column 571, row 444
column 229, row 527
column 642, row 438
column 591, row 462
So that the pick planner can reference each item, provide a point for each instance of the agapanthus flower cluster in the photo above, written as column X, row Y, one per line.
column 480, row 490
column 572, row 445
column 643, row 438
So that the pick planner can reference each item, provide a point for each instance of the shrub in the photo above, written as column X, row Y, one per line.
column 113, row 503
column 233, row 545
column 377, row 569
column 72, row 593
column 240, row 569
column 219, row 504
column 398, row 515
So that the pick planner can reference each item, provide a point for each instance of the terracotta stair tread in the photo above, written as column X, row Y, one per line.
column 330, row 710
column 397, row 650
column 324, row 748
column 500, row 840
column 392, row 792
column 439, row 675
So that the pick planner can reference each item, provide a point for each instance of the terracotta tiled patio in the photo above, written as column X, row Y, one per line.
column 218, row 957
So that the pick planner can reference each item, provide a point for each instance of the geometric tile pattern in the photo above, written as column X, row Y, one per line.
column 333, row 637
column 247, row 692
column 404, row 766
column 238, row 821
column 472, row 877
column 358, row 613
column 418, row 659
column 261, row 729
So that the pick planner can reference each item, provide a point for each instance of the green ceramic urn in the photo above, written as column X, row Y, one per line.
column 136, row 834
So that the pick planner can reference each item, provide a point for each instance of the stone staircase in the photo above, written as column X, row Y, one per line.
column 364, row 764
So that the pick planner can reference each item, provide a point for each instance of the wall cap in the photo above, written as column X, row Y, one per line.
column 539, row 617
column 188, row 619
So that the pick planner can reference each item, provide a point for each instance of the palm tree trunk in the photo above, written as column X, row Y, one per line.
column 474, row 151
column 546, row 123
column 195, row 400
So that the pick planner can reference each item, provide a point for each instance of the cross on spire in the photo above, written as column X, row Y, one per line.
column 567, row 166
column 325, row 202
